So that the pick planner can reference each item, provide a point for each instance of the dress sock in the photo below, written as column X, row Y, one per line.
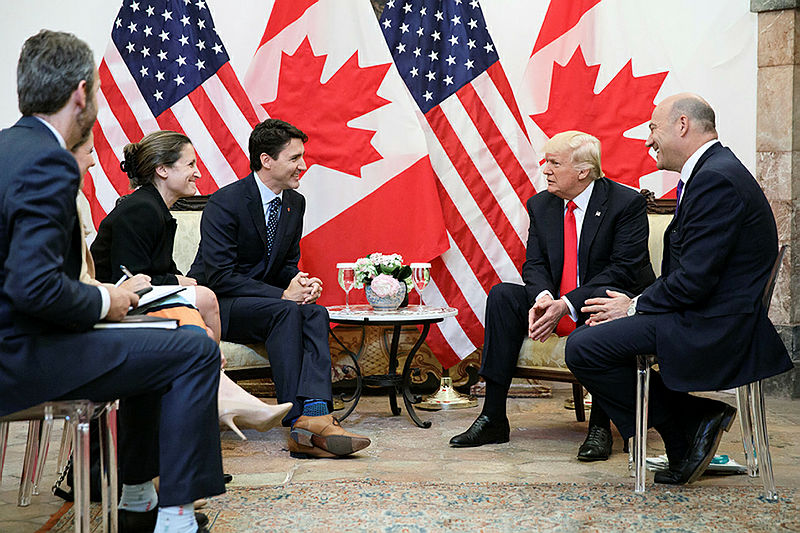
column 494, row 406
column 177, row 519
column 598, row 417
column 139, row 498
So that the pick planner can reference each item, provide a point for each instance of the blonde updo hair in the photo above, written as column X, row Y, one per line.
column 155, row 149
column 585, row 150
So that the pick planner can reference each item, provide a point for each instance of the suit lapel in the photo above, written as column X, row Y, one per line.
column 595, row 212
column 255, row 207
column 555, row 236
column 665, row 260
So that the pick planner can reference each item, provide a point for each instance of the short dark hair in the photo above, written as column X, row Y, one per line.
column 157, row 148
column 50, row 67
column 270, row 137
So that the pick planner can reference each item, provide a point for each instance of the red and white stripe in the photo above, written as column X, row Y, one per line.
column 218, row 117
column 487, row 170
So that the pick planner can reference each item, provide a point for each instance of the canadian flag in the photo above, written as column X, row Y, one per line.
column 369, row 187
column 600, row 66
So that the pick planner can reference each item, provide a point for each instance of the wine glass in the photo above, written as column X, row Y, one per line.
column 421, row 274
column 347, row 279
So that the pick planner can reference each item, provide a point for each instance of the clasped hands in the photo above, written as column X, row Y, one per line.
column 303, row 289
column 543, row 317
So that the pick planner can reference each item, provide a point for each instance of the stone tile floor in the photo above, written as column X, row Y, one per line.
column 544, row 440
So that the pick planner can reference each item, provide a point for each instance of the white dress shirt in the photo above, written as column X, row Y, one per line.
column 266, row 197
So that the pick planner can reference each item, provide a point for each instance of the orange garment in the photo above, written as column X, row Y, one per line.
column 186, row 316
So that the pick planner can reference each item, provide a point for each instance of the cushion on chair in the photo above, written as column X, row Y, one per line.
column 244, row 356
column 187, row 238
column 549, row 353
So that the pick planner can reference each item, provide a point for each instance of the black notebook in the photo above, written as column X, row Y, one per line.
column 140, row 321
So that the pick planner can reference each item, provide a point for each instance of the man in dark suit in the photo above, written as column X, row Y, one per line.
column 248, row 254
column 703, row 317
column 166, row 380
column 560, row 272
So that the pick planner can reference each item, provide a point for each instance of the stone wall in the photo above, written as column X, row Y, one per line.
column 778, row 163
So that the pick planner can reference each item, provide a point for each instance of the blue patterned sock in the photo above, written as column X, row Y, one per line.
column 313, row 407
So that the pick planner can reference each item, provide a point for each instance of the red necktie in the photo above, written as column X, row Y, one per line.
column 569, row 274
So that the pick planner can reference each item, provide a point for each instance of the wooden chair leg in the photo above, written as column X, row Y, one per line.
column 577, row 396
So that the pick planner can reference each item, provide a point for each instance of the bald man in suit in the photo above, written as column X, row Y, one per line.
column 703, row 317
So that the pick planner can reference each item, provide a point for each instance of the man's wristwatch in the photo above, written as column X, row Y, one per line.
column 632, row 308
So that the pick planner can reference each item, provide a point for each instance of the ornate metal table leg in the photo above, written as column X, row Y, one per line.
column 409, row 399
column 347, row 369
column 393, row 370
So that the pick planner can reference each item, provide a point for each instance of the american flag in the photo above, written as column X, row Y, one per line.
column 166, row 68
column 480, row 150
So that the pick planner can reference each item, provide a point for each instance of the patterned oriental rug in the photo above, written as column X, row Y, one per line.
column 373, row 505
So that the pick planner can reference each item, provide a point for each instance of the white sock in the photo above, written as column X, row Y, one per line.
column 139, row 498
column 178, row 519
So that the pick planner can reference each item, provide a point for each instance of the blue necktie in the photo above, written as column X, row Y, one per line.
column 272, row 221
column 678, row 191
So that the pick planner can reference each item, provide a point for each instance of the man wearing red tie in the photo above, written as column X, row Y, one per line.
column 587, row 235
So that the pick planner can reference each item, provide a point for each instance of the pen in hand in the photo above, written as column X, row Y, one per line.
column 125, row 275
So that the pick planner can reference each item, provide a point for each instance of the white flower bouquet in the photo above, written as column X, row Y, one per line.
column 378, row 267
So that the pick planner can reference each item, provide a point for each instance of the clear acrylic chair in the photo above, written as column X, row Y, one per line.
column 77, row 414
column 750, row 403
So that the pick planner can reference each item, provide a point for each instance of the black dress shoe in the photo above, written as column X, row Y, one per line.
column 227, row 478
column 483, row 431
column 718, row 418
column 597, row 446
column 130, row 522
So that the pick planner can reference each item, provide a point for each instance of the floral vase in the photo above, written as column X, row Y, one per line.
column 386, row 303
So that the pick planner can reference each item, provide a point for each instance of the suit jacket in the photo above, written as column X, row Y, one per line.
column 232, row 256
column 140, row 234
column 713, row 332
column 612, row 250
column 40, row 261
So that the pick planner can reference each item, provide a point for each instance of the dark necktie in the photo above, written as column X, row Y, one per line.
column 273, row 209
column 678, row 192
column 569, row 273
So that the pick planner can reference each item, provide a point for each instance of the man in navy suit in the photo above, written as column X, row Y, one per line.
column 248, row 254
column 167, row 380
column 587, row 234
column 703, row 318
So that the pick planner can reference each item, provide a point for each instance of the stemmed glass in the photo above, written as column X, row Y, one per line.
column 421, row 274
column 347, row 279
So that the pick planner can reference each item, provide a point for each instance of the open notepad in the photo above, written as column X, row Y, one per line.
column 159, row 292
column 139, row 321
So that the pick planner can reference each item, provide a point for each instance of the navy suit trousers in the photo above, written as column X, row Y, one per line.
column 168, row 422
column 603, row 358
column 296, row 338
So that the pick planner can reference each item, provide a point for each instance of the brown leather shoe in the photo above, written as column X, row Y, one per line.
column 326, row 433
column 298, row 451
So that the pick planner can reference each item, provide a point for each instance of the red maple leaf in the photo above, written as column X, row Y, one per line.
column 323, row 110
column 626, row 102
